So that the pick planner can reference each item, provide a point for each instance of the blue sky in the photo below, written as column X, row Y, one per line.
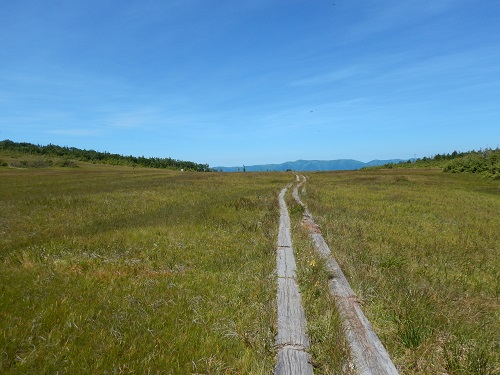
column 254, row 82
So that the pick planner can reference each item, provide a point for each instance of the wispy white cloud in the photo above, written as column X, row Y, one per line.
column 75, row 132
column 133, row 119
column 383, row 15
column 338, row 75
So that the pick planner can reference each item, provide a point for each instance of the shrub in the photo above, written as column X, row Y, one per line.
column 38, row 163
column 485, row 162
column 66, row 163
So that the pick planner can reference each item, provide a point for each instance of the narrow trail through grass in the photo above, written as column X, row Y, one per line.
column 291, row 339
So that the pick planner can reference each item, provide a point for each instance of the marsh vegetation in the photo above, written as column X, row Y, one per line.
column 421, row 249
column 120, row 270
column 107, row 269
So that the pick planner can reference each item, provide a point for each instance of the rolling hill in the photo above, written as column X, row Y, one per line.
column 309, row 165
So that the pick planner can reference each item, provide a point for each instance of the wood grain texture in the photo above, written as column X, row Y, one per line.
column 291, row 338
column 367, row 352
column 285, row 262
column 291, row 316
column 284, row 236
column 292, row 361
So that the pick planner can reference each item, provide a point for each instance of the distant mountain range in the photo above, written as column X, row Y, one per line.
column 309, row 165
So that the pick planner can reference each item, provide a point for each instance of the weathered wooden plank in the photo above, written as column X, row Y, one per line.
column 285, row 262
column 293, row 361
column 284, row 236
column 291, row 338
column 341, row 287
column 291, row 316
column 367, row 352
column 295, row 192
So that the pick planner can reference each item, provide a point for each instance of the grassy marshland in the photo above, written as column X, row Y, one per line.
column 421, row 249
column 120, row 270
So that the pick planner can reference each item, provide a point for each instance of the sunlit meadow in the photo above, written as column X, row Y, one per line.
column 120, row 270
column 421, row 249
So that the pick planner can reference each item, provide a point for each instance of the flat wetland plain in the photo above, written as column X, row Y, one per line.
column 119, row 270
column 421, row 250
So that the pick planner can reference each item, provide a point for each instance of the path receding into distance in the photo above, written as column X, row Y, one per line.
column 292, row 339
column 367, row 352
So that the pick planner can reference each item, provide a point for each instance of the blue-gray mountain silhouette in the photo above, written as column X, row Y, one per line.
column 309, row 165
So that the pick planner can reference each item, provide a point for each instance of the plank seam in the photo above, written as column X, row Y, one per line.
column 299, row 348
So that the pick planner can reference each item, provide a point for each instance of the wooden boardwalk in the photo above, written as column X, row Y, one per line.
column 291, row 339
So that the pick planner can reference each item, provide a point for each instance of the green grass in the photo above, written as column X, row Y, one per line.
column 421, row 250
column 121, row 270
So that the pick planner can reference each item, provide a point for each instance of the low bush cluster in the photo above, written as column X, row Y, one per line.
column 40, row 163
column 485, row 162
